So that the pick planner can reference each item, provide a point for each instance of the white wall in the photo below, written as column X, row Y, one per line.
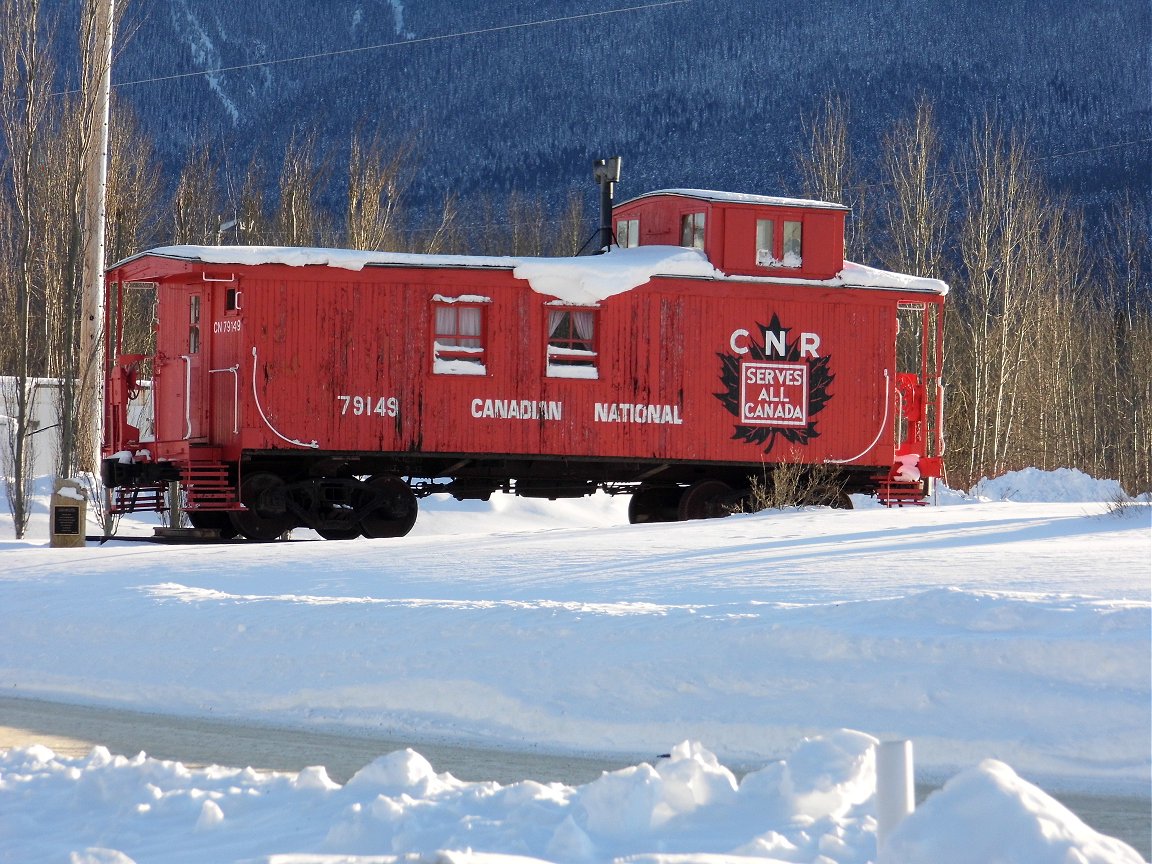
column 45, row 410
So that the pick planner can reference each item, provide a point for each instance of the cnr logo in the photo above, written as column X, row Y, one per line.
column 774, row 384
column 775, row 343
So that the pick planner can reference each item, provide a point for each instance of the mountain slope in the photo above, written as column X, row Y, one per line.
column 690, row 94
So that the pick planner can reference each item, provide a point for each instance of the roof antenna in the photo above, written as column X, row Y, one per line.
column 607, row 173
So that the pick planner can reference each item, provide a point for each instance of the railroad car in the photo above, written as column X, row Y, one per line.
column 717, row 342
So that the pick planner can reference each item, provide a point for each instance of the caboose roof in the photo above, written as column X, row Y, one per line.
column 583, row 280
column 738, row 198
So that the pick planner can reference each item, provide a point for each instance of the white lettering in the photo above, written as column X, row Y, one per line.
column 741, row 347
column 368, row 406
column 772, row 411
column 809, row 344
column 628, row 412
column 516, row 409
column 774, row 343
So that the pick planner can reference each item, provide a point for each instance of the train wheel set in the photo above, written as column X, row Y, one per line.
column 335, row 508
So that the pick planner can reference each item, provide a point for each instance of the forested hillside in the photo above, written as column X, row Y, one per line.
column 701, row 93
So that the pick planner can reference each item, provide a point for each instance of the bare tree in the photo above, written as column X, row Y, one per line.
column 134, row 206
column 918, row 202
column 525, row 225
column 135, row 216
column 25, row 70
column 248, row 204
column 828, row 170
column 1127, row 253
column 571, row 232
column 378, row 176
column 196, row 204
column 445, row 237
column 300, row 218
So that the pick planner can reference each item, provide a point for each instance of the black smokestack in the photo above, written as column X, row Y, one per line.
column 607, row 174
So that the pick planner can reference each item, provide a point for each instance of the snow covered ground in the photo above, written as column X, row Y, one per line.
column 990, row 632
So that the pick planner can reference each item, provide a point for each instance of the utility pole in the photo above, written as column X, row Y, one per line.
column 92, row 312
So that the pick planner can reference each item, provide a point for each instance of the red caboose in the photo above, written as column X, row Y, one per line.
column 724, row 336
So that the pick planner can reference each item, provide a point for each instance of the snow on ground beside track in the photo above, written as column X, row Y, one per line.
column 1015, row 630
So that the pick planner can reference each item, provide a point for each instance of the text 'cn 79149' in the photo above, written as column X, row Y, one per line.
column 718, row 344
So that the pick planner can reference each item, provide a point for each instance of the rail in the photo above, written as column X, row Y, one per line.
column 883, row 426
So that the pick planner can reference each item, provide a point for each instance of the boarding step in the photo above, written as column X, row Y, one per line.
column 136, row 499
column 208, row 486
column 900, row 493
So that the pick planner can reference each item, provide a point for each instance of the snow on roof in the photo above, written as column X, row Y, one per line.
column 739, row 198
column 861, row 276
column 581, row 280
column 300, row 256
column 597, row 277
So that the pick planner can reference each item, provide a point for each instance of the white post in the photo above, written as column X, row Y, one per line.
column 895, row 791
column 92, row 304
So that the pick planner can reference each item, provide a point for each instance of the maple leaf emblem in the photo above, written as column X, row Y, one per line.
column 819, row 379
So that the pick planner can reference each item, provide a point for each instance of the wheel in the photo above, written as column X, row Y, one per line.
column 266, row 517
column 395, row 510
column 708, row 499
column 654, row 504
column 212, row 520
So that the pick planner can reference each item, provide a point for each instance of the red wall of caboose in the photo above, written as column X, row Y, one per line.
column 324, row 338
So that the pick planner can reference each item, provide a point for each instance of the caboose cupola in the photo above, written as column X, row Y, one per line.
column 742, row 235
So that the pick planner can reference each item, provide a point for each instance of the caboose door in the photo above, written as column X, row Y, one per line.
column 184, row 339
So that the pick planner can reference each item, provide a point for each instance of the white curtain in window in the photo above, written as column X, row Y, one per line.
column 557, row 324
column 583, row 323
column 445, row 321
column 567, row 325
column 470, row 321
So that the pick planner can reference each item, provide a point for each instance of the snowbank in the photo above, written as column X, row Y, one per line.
column 815, row 806
column 989, row 814
column 1008, row 630
column 1034, row 485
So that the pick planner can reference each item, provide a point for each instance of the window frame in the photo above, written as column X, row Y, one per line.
column 777, row 258
column 628, row 232
column 695, row 223
column 455, row 358
column 785, row 241
column 562, row 359
column 194, row 315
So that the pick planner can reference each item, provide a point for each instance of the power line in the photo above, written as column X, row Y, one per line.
column 1031, row 160
column 405, row 42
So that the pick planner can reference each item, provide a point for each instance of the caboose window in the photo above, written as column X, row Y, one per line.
column 766, row 242
column 793, row 236
column 628, row 233
column 194, row 324
column 458, row 339
column 779, row 248
column 572, row 351
column 692, row 230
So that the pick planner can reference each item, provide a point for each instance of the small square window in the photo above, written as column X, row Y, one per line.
column 766, row 243
column 776, row 248
column 458, row 339
column 628, row 233
column 692, row 230
column 793, row 243
column 572, row 351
